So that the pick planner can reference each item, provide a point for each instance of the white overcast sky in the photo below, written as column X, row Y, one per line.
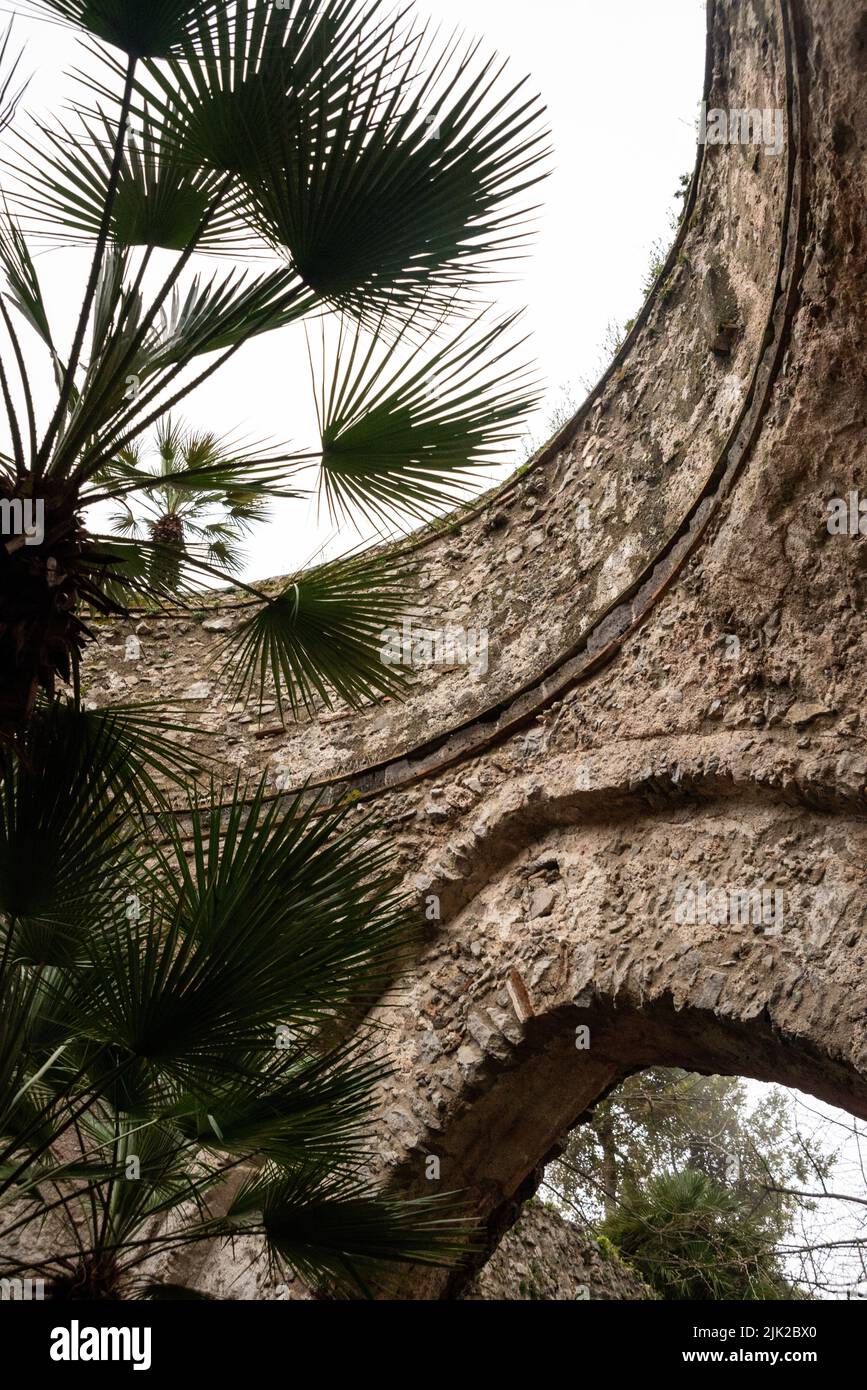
column 622, row 82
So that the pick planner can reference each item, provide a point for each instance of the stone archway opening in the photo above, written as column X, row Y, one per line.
column 710, row 1187
column 696, row 927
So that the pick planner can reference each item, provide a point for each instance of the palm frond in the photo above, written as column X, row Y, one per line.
column 169, row 1173
column 222, row 548
column 340, row 1234
column 405, row 435
column 246, row 508
column 218, row 313
column 21, row 1001
column 154, row 29
column 109, row 296
column 122, row 362
column 23, row 280
column 161, row 200
column 322, row 636
column 291, row 1107
column 239, row 80
column 411, row 189
column 63, row 832
column 147, row 737
column 125, row 524
column 12, row 86
column 161, row 1042
column 224, row 311
column 117, row 573
column 201, row 465
column 261, row 917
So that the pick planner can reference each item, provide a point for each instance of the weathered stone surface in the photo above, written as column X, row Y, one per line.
column 545, row 1257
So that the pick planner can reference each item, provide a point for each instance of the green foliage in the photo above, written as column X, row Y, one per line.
column 402, row 191
column 607, row 1250
column 174, row 1005
column 662, row 1124
column 161, row 199
column 322, row 633
column 403, row 438
column 666, row 1120
column 375, row 172
column 690, row 1239
column 658, row 257
column 156, row 29
column 192, row 504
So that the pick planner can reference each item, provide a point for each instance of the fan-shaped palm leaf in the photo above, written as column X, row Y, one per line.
column 61, row 816
column 64, row 803
column 192, row 1035
column 241, row 76
column 289, row 1108
column 322, row 636
column 161, row 200
column 226, row 310
column 199, row 464
column 21, row 1002
column 341, row 1234
column 409, row 190
column 279, row 918
column 156, row 28
column 404, row 435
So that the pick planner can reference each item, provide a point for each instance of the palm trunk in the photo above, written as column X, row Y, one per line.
column 605, row 1135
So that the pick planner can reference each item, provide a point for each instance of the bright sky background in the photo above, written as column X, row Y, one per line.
column 622, row 82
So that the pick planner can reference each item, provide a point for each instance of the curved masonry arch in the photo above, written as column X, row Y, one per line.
column 674, row 696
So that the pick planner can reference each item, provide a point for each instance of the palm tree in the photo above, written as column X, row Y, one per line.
column 184, row 523
column 366, row 175
column 175, row 1008
column 692, row 1239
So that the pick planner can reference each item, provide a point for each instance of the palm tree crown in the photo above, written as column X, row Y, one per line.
column 184, row 522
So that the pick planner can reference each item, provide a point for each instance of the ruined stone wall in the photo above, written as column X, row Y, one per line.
column 545, row 1257
column 674, row 693
column 543, row 559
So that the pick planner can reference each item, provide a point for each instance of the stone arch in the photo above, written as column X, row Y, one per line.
column 674, row 696
column 576, row 928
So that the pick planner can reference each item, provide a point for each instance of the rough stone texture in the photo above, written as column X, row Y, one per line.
column 545, row 1257
column 674, row 697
